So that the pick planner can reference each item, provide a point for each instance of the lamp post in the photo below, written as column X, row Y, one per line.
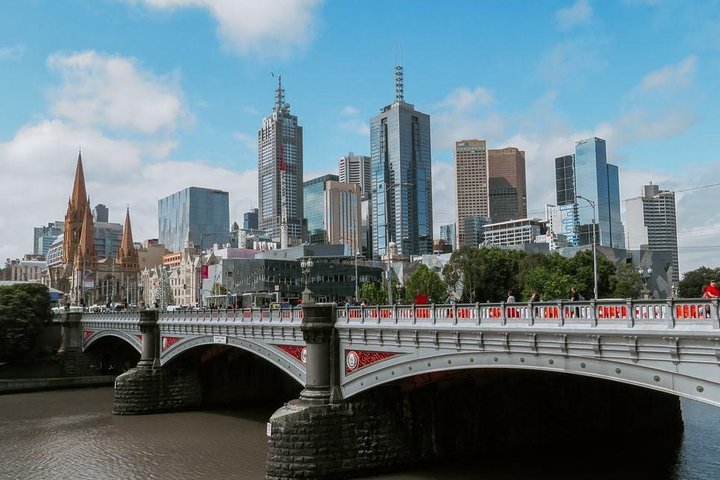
column 306, row 265
column 594, row 248
column 357, row 292
column 645, row 274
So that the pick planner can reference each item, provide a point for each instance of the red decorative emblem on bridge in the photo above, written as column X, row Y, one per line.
column 357, row 359
column 87, row 334
column 139, row 338
column 296, row 351
column 168, row 342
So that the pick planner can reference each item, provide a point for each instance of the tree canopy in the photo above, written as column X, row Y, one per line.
column 425, row 281
column 24, row 308
column 693, row 281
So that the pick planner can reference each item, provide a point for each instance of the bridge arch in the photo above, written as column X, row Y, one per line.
column 90, row 338
column 274, row 356
column 662, row 377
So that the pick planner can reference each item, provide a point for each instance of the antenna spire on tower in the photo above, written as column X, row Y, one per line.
column 399, row 84
column 280, row 96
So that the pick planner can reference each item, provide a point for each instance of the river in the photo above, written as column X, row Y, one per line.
column 72, row 434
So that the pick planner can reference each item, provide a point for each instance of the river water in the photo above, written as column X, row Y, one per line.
column 72, row 434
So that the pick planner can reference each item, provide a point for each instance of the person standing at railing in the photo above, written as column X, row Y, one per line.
column 712, row 291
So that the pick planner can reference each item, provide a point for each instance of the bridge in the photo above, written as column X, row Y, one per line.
column 671, row 346
column 340, row 353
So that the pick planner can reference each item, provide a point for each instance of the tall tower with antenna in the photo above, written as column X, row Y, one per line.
column 401, row 177
column 280, row 173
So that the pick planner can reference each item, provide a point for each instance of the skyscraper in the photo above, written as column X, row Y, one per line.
column 314, row 199
column 651, row 224
column 564, row 216
column 280, row 173
column 401, row 193
column 356, row 169
column 598, row 181
column 471, row 190
column 250, row 219
column 507, row 189
column 195, row 214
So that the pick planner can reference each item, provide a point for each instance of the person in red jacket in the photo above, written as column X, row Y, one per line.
column 712, row 291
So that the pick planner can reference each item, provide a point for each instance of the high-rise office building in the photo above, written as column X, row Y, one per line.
column 507, row 191
column 651, row 224
column 563, row 216
column 598, row 181
column 250, row 219
column 195, row 214
column 314, row 200
column 401, row 193
column 280, row 173
column 471, row 190
column 101, row 213
column 356, row 169
column 448, row 235
column 44, row 236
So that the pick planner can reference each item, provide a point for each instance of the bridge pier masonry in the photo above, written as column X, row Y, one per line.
column 322, row 436
column 74, row 362
column 149, row 388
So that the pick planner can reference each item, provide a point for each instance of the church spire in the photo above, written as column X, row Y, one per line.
column 74, row 216
column 79, row 195
column 86, row 256
column 128, row 255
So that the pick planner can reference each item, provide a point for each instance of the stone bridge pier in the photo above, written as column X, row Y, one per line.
column 449, row 415
column 150, row 388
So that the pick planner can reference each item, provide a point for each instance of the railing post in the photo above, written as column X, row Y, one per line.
column 150, row 356
column 70, row 332
column 322, row 359
column 631, row 312
column 715, row 313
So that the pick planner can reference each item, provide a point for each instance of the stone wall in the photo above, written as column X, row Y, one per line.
column 461, row 416
column 153, row 390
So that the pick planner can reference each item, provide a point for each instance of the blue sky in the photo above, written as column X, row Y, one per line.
column 164, row 94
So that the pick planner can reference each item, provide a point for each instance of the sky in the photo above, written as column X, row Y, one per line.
column 161, row 95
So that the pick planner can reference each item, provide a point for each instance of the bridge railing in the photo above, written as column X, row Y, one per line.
column 285, row 316
column 671, row 312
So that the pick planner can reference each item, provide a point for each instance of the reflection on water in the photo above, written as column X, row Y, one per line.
column 73, row 434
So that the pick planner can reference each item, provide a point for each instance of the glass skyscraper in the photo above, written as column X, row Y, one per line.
column 195, row 214
column 598, row 181
column 401, row 191
column 314, row 200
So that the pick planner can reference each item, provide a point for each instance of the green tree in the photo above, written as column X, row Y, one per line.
column 373, row 294
column 484, row 274
column 424, row 280
column 23, row 310
column 629, row 282
column 692, row 282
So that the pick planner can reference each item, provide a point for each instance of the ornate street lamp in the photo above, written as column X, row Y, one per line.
column 645, row 274
column 594, row 248
column 306, row 265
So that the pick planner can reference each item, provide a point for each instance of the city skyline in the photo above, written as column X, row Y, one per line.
column 154, row 117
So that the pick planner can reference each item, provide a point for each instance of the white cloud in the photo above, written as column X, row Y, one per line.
column 38, row 162
column 460, row 115
column 463, row 99
column 112, row 92
column 268, row 28
column 15, row 52
column 671, row 77
column 250, row 141
column 637, row 125
column 349, row 111
column 570, row 60
column 356, row 126
column 578, row 14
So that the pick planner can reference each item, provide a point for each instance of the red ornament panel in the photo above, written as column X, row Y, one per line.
column 358, row 359
column 168, row 342
column 87, row 334
column 297, row 351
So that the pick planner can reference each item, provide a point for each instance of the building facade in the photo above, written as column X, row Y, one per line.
column 280, row 174
column 448, row 235
column 507, row 189
column 471, row 188
column 343, row 214
column 356, row 169
column 651, row 224
column 401, row 192
column 45, row 236
column 598, row 181
column 195, row 214
column 250, row 219
column 514, row 232
column 314, row 200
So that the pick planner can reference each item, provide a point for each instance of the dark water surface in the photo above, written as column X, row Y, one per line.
column 72, row 434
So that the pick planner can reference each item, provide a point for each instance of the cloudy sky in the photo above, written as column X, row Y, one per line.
column 165, row 94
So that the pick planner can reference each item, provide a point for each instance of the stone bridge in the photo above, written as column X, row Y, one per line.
column 339, row 354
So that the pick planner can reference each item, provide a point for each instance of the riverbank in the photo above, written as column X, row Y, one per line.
column 20, row 385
